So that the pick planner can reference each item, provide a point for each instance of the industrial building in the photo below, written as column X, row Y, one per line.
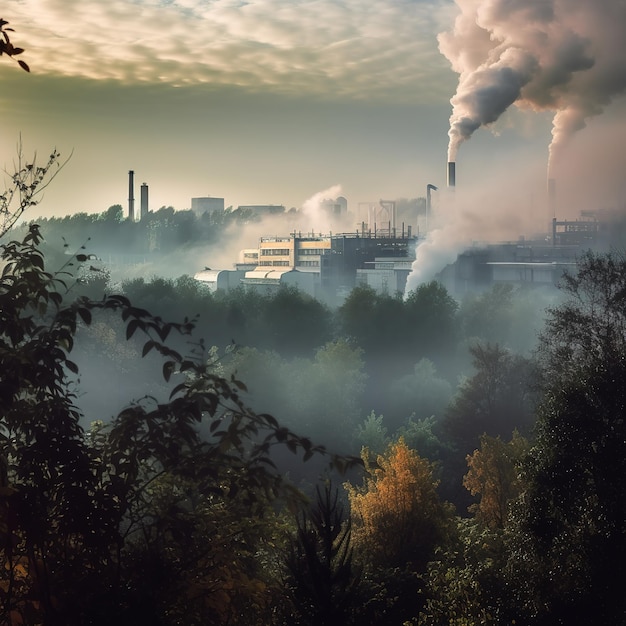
column 324, row 266
column 207, row 204
column 539, row 262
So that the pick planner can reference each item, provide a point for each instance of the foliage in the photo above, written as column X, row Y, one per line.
column 505, row 315
column 464, row 583
column 357, row 315
column 568, row 542
column 431, row 313
column 423, row 325
column 372, row 434
column 398, row 519
column 94, row 527
column 320, row 395
column 420, row 394
column 322, row 581
column 422, row 436
column 6, row 47
column 295, row 324
column 493, row 474
column 496, row 400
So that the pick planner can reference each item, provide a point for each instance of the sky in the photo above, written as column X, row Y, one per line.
column 277, row 101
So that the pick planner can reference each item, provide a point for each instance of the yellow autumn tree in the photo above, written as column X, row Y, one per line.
column 398, row 518
column 493, row 476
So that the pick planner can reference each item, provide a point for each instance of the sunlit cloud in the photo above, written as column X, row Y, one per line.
column 326, row 47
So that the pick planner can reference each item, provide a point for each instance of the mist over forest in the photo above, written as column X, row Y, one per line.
column 404, row 358
column 370, row 452
column 365, row 373
column 409, row 426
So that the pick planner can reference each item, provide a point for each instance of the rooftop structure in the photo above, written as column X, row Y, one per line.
column 207, row 204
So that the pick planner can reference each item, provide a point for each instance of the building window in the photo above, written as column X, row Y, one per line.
column 312, row 251
column 275, row 251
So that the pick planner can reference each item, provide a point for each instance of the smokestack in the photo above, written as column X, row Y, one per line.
column 451, row 174
column 144, row 201
column 552, row 197
column 131, row 195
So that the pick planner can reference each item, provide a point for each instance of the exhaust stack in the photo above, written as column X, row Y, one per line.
column 143, row 211
column 131, row 195
column 451, row 174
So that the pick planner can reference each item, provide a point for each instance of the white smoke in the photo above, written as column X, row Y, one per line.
column 315, row 213
column 566, row 56
column 441, row 248
column 474, row 214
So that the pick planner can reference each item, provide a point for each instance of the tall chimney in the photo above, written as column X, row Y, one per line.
column 131, row 195
column 144, row 201
column 451, row 174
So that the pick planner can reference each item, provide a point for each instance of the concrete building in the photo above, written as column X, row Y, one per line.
column 330, row 266
column 207, row 204
column 386, row 276
column 220, row 279
column 537, row 263
column 295, row 251
column 267, row 281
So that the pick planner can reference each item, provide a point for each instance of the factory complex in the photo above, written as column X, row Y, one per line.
column 384, row 249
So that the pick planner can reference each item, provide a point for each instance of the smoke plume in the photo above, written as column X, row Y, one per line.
column 566, row 56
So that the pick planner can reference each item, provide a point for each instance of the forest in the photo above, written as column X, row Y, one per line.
column 174, row 456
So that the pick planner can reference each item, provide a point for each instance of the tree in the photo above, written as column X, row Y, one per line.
column 398, row 522
column 320, row 396
column 26, row 183
column 86, row 516
column 493, row 475
column 496, row 400
column 372, row 435
column 420, row 394
column 294, row 323
column 322, row 581
column 505, row 315
column 359, row 318
column 431, row 312
column 398, row 518
column 569, row 538
column 424, row 436
column 465, row 585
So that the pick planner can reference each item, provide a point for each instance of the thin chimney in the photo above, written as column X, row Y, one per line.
column 451, row 174
column 144, row 201
column 131, row 195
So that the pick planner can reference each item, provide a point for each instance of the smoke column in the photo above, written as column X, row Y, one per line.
column 566, row 56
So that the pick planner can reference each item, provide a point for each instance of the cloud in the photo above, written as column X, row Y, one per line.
column 295, row 46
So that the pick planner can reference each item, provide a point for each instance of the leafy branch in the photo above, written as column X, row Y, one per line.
column 6, row 47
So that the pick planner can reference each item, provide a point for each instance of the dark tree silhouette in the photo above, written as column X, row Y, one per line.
column 322, row 580
column 82, row 514
column 569, row 545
